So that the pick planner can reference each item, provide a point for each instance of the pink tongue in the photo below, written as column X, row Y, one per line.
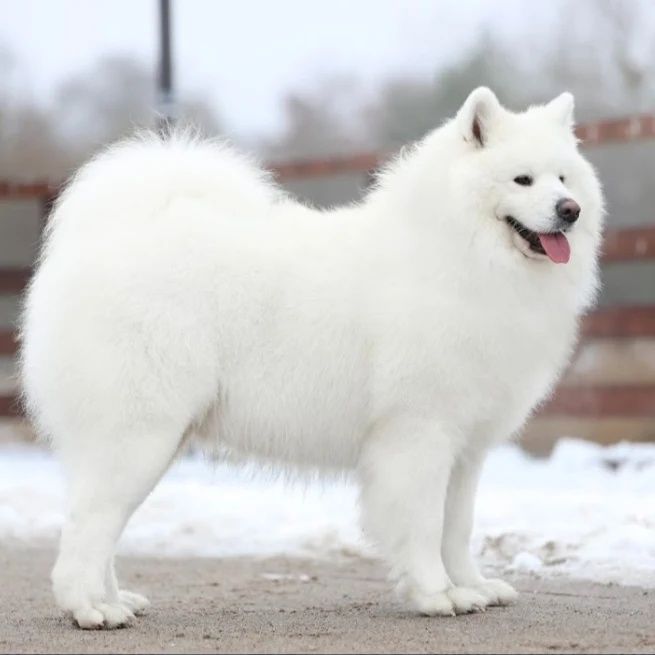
column 556, row 247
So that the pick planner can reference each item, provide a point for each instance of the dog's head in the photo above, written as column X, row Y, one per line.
column 521, row 175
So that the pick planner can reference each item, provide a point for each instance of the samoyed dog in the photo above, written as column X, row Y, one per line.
column 181, row 292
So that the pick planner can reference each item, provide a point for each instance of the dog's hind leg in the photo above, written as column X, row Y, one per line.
column 108, row 479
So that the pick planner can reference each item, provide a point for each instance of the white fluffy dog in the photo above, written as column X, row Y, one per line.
column 180, row 291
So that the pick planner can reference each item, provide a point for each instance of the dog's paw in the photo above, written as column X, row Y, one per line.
column 136, row 603
column 497, row 592
column 437, row 604
column 452, row 601
column 99, row 616
column 466, row 600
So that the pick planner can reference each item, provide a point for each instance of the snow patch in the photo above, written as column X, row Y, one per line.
column 587, row 511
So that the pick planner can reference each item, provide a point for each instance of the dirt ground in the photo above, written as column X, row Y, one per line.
column 291, row 605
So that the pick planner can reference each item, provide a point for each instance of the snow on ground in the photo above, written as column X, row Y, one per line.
column 588, row 511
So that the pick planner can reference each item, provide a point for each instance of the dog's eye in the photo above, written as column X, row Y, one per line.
column 561, row 179
column 523, row 180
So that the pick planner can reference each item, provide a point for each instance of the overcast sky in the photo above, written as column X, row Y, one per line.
column 243, row 55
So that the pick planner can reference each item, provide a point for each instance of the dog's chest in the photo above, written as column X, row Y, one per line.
column 487, row 361
column 516, row 356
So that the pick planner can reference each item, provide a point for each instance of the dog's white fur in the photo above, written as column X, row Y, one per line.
column 180, row 291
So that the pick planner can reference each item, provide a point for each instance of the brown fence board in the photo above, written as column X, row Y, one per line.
column 7, row 343
column 627, row 400
column 302, row 169
column 27, row 190
column 627, row 244
column 629, row 128
column 629, row 322
column 13, row 280
column 9, row 406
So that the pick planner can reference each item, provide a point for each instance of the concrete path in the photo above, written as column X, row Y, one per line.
column 290, row 605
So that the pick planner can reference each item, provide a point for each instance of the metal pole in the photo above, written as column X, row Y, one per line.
column 165, row 100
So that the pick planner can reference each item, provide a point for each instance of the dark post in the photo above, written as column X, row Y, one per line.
column 165, row 101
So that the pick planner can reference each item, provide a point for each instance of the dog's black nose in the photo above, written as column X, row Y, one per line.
column 568, row 210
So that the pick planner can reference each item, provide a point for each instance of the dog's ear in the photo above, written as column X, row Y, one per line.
column 561, row 109
column 477, row 114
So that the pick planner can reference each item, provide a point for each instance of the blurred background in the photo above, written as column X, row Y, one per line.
column 322, row 92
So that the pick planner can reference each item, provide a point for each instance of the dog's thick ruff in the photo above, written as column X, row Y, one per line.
column 179, row 291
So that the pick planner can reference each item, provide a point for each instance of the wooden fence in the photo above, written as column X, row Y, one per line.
column 628, row 401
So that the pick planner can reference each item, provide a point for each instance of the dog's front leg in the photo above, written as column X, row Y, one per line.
column 404, row 471
column 458, row 524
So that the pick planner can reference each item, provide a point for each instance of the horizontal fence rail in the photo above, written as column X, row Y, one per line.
column 10, row 406
column 620, row 322
column 27, row 190
column 14, row 280
column 8, row 343
column 602, row 401
column 632, row 243
column 619, row 130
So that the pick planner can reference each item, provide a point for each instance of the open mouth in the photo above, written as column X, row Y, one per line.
column 553, row 245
